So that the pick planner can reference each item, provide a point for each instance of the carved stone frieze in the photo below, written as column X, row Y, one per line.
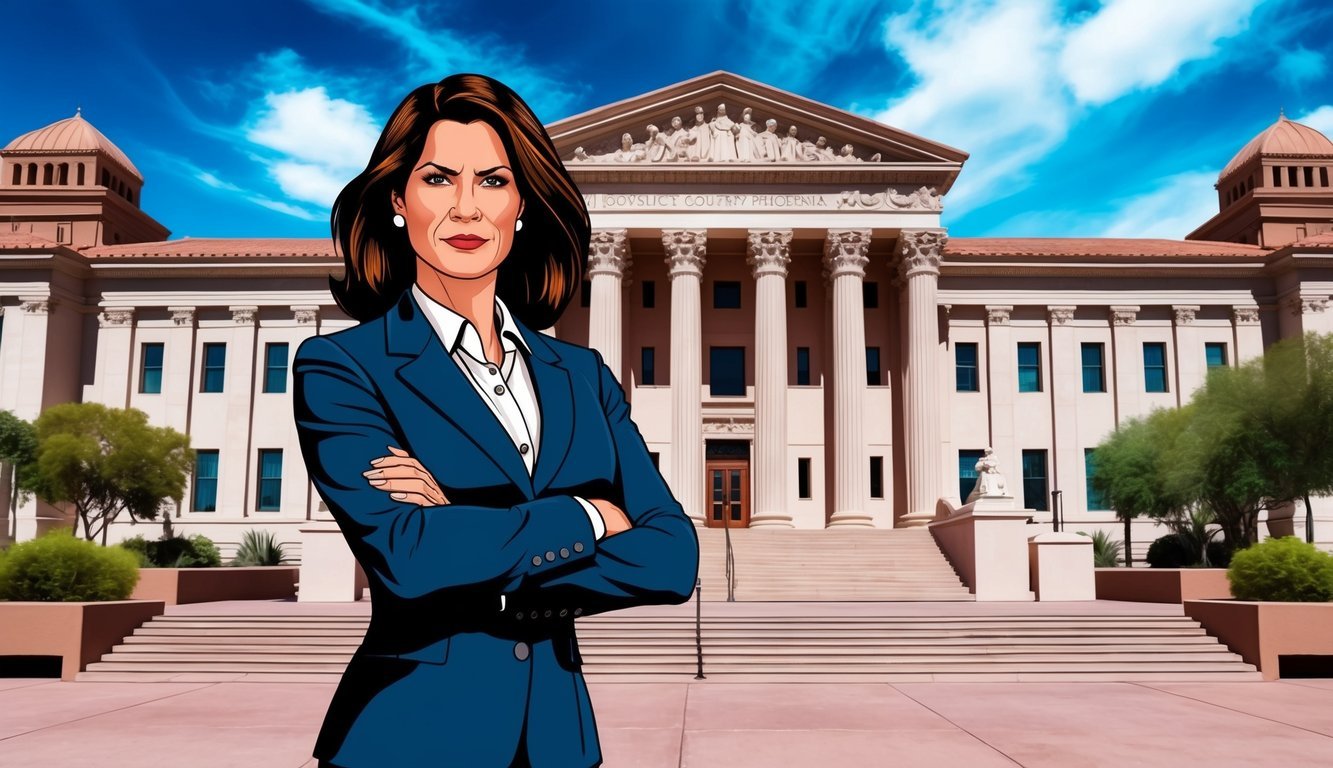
column 920, row 199
column 686, row 250
column 770, row 251
column 728, row 425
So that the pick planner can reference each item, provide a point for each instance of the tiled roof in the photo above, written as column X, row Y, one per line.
column 1094, row 246
column 204, row 247
column 73, row 134
column 25, row 240
column 1281, row 138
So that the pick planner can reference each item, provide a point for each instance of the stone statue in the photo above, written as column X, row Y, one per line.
column 819, row 152
column 677, row 138
column 789, row 150
column 989, row 480
column 701, row 146
column 747, row 150
column 766, row 144
column 657, row 148
column 724, row 137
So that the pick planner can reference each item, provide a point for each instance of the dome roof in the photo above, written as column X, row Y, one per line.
column 1281, row 138
column 73, row 134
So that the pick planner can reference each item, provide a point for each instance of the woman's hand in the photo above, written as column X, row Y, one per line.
column 615, row 518
column 404, row 479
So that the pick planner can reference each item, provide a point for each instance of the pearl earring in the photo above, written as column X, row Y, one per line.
column 398, row 220
column 518, row 224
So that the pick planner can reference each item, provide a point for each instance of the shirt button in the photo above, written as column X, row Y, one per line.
column 499, row 389
column 578, row 546
column 564, row 552
column 521, row 651
column 536, row 559
column 523, row 449
column 550, row 557
column 492, row 369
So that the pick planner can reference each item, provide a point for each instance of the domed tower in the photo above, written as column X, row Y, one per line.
column 68, row 183
column 1275, row 190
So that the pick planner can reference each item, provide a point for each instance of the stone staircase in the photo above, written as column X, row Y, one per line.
column 271, row 641
column 881, row 564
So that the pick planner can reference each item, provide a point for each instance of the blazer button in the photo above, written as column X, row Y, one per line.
column 548, row 613
column 564, row 611
column 578, row 546
column 523, row 449
column 518, row 615
column 550, row 557
column 578, row 611
column 534, row 614
column 521, row 651
column 536, row 559
column 564, row 551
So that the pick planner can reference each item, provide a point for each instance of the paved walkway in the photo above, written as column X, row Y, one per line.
column 701, row 724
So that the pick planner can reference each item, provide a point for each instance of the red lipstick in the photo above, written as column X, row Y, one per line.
column 466, row 242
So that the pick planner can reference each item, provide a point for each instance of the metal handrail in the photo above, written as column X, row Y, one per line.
column 698, row 626
column 731, row 557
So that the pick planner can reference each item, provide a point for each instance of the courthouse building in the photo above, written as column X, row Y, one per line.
column 802, row 342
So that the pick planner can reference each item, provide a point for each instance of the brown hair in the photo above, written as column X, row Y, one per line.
column 546, row 263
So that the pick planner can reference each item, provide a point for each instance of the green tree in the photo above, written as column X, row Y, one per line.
column 106, row 461
column 18, row 447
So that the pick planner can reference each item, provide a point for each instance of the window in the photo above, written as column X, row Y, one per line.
column 1154, row 366
column 1291, row 175
column 47, row 171
column 876, row 477
column 585, row 296
column 802, row 366
column 800, row 297
column 269, row 496
column 648, row 365
column 1323, row 177
column 1277, row 176
column 275, row 367
column 1029, row 366
column 80, row 175
column 62, row 174
column 872, row 366
column 18, row 174
column 967, row 471
column 726, row 367
column 32, row 173
column 726, row 294
column 1096, row 499
column 870, row 295
column 205, row 481
column 656, row 458
column 803, row 478
column 215, row 362
column 965, row 367
column 649, row 294
column 1309, row 176
column 150, row 369
column 1034, row 480
column 1094, row 367
column 1215, row 353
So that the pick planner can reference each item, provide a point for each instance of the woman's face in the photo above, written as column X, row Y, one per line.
column 460, row 201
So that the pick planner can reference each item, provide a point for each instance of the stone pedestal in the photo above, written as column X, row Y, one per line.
column 1060, row 565
column 328, row 568
column 986, row 542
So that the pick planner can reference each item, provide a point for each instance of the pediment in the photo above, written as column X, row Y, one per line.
column 598, row 137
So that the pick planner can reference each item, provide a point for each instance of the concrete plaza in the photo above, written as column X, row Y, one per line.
column 693, row 723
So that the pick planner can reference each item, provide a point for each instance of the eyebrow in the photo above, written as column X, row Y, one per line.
column 452, row 172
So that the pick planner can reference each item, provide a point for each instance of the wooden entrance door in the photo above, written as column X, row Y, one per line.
column 728, row 489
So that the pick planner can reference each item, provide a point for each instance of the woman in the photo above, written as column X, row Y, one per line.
column 488, row 478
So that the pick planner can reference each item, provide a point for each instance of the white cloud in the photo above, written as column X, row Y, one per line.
column 1298, row 66
column 1175, row 206
column 807, row 32
column 1132, row 44
column 287, row 208
column 1320, row 119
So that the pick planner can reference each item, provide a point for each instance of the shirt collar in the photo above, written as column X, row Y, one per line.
column 454, row 330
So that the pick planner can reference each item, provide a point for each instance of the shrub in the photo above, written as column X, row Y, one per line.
column 1172, row 551
column 259, row 548
column 1105, row 550
column 1282, row 569
column 197, row 551
column 139, row 546
column 59, row 567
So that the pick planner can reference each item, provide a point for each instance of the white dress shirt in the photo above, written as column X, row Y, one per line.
column 506, row 388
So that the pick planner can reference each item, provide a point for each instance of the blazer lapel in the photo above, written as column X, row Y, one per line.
column 437, row 380
column 555, row 398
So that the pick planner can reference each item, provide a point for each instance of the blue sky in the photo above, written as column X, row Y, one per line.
column 1082, row 118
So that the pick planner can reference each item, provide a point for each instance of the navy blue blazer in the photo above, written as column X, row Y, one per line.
column 443, row 677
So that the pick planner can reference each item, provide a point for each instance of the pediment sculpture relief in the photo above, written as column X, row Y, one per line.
column 723, row 140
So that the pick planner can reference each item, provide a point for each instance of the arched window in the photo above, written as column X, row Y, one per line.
column 129, row 195
column 106, row 178
column 1309, row 176
column 1277, row 176
column 80, row 174
column 63, row 176
column 18, row 174
column 47, row 171
column 32, row 173
column 1323, row 176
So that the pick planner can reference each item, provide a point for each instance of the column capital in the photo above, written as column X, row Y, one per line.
column 1060, row 315
column 1304, row 305
column 845, row 252
column 1184, row 313
column 182, row 315
column 770, row 251
column 117, row 316
column 998, row 314
column 1245, row 315
column 608, row 252
column 685, row 249
column 244, row 315
column 920, row 251
column 36, row 305
column 1125, row 315
column 306, row 313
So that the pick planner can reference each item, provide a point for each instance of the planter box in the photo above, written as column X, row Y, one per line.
column 176, row 586
column 1162, row 585
column 80, row 633
column 1263, row 632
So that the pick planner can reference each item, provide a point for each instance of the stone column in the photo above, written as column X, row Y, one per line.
column 608, row 258
column 1248, row 333
column 1189, row 360
column 685, row 250
column 234, row 459
column 1066, row 377
column 1002, row 384
column 919, row 252
column 769, row 256
column 1126, row 362
column 845, row 260
column 307, row 317
column 114, row 377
